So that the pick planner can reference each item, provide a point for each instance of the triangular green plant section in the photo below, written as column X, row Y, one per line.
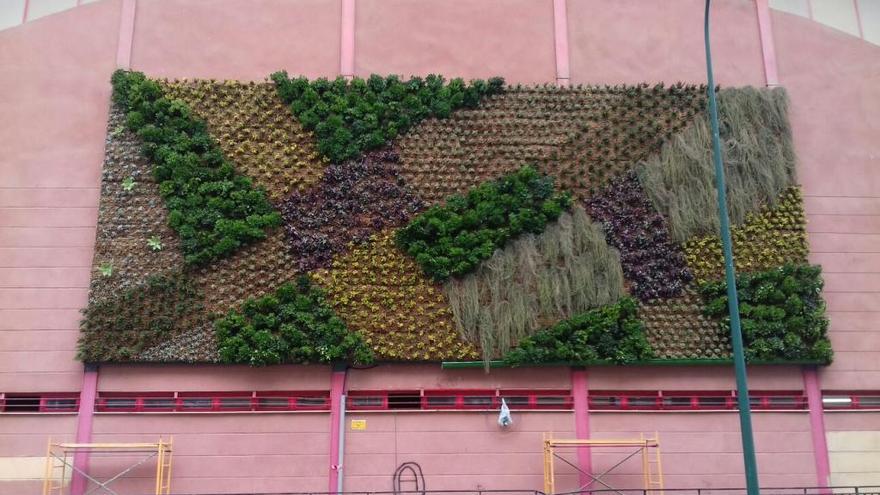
column 351, row 116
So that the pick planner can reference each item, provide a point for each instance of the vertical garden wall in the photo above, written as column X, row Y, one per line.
column 386, row 219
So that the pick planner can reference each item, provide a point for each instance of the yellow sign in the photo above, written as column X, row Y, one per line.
column 359, row 424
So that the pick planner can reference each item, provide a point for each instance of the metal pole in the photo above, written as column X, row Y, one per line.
column 339, row 475
column 739, row 361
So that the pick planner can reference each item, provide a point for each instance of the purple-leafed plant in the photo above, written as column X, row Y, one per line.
column 351, row 202
column 654, row 266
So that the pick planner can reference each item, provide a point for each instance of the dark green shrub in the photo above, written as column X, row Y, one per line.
column 782, row 313
column 120, row 328
column 452, row 239
column 294, row 325
column 611, row 333
column 213, row 209
column 350, row 117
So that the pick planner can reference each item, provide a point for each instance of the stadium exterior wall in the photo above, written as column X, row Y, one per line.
column 54, row 76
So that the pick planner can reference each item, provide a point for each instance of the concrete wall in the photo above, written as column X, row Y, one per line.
column 54, row 75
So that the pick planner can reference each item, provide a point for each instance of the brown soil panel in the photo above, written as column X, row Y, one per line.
column 252, row 271
column 127, row 219
column 677, row 329
column 580, row 136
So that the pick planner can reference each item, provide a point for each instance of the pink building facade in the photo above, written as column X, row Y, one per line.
column 54, row 75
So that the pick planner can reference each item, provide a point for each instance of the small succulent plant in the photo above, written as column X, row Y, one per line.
column 155, row 243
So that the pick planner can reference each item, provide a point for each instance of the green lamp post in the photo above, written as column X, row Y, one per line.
column 742, row 386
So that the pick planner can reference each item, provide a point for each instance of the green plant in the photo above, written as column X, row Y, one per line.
column 352, row 116
column 758, row 162
column 452, row 239
column 213, row 209
column 611, row 333
column 154, row 243
column 294, row 325
column 128, row 184
column 534, row 281
column 106, row 269
column 783, row 316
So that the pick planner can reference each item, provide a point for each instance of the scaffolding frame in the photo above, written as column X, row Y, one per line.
column 59, row 461
column 648, row 447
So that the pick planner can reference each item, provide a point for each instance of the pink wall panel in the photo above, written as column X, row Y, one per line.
column 456, row 38
column 235, row 40
column 430, row 376
column 456, row 450
column 709, row 444
column 48, row 194
column 826, row 71
column 194, row 378
column 26, row 435
column 631, row 41
column 228, row 453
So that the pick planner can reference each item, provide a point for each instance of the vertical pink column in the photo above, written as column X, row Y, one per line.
column 560, row 42
column 126, row 34
column 87, row 395
column 579, row 394
column 817, row 426
column 24, row 13
column 337, row 388
column 768, row 48
column 346, row 46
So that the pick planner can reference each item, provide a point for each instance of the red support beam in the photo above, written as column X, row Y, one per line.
column 87, row 395
column 817, row 426
column 580, row 399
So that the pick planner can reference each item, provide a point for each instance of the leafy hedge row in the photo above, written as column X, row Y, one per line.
column 213, row 209
column 352, row 116
column 782, row 313
column 295, row 325
column 610, row 333
column 452, row 239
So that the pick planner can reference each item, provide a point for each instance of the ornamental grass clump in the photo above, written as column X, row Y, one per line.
column 293, row 325
column 759, row 163
column 782, row 313
column 611, row 333
column 349, row 117
column 535, row 281
column 452, row 239
column 213, row 209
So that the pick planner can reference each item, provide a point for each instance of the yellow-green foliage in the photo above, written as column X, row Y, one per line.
column 772, row 237
column 536, row 281
column 380, row 292
column 758, row 159
column 256, row 132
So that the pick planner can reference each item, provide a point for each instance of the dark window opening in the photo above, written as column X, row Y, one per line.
column 404, row 401
column 311, row 401
column 23, row 404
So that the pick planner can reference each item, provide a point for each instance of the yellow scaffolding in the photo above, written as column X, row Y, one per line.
column 59, row 462
column 649, row 448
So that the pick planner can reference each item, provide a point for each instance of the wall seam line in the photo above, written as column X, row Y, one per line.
column 560, row 42
column 346, row 42
column 126, row 34
column 768, row 49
